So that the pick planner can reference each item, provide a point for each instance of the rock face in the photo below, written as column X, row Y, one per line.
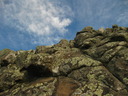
column 95, row 63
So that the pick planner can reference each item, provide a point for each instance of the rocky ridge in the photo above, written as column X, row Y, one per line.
column 95, row 63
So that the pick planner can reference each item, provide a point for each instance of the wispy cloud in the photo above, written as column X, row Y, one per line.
column 99, row 13
column 122, row 18
column 45, row 20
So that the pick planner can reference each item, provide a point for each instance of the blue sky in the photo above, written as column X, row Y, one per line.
column 25, row 24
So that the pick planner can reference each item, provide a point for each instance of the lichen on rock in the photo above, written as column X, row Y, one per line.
column 95, row 63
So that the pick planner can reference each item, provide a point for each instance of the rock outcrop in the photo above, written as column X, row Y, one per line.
column 95, row 63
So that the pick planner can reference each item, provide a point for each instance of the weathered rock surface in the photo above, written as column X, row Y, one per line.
column 95, row 63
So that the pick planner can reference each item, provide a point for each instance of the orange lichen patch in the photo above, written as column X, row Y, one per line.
column 66, row 86
column 42, row 80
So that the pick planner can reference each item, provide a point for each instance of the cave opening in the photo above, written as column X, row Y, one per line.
column 34, row 72
column 86, row 46
column 4, row 63
column 117, row 38
column 1, row 90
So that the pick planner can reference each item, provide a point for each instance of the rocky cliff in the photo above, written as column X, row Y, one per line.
column 95, row 63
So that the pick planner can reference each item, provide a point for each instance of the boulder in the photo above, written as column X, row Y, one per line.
column 95, row 63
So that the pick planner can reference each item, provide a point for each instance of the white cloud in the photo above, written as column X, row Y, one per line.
column 122, row 18
column 45, row 19
column 98, row 13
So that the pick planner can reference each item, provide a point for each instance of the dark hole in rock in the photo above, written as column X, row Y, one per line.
column 86, row 46
column 95, row 95
column 118, row 38
column 19, row 81
column 4, row 63
column 34, row 72
column 80, row 32
column 99, row 34
column 1, row 90
column 4, row 88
